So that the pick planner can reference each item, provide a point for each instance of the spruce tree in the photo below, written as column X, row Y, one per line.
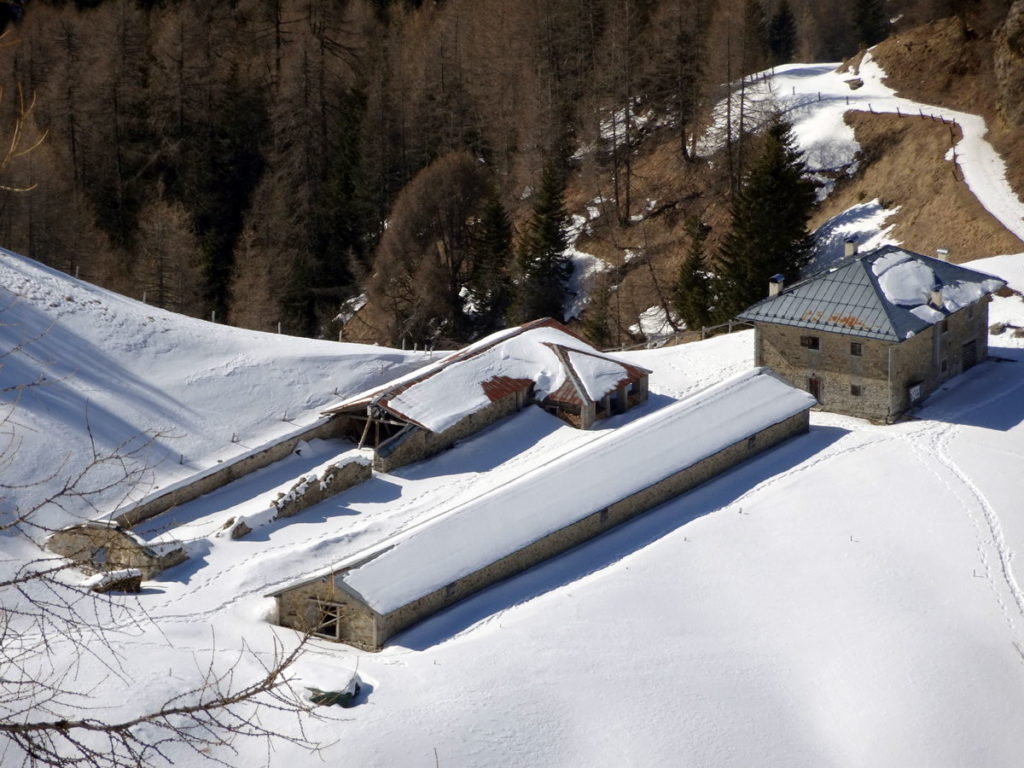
column 490, row 283
column 693, row 294
column 542, row 265
column 782, row 34
column 768, row 234
column 597, row 326
column 871, row 21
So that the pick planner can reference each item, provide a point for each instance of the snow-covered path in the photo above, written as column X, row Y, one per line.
column 815, row 97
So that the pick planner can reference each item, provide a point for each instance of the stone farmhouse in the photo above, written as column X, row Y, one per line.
column 541, row 362
column 367, row 598
column 876, row 333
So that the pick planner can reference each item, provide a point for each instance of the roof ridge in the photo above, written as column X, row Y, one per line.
column 877, row 288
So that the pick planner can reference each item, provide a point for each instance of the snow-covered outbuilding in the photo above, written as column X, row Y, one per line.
column 876, row 333
column 540, row 362
column 370, row 596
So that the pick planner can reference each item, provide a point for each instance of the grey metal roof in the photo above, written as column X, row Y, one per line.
column 847, row 299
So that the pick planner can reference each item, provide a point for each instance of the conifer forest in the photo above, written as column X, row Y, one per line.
column 284, row 164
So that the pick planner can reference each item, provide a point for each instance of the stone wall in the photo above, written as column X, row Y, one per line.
column 298, row 609
column 313, row 489
column 568, row 537
column 100, row 547
column 883, row 372
column 933, row 357
column 415, row 444
column 833, row 364
column 229, row 471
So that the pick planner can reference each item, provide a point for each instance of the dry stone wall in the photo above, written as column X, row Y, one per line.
column 101, row 547
column 313, row 489
column 415, row 444
column 227, row 472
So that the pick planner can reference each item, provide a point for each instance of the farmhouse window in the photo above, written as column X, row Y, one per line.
column 945, row 325
column 328, row 621
column 811, row 342
column 945, row 365
column 856, row 348
column 855, row 390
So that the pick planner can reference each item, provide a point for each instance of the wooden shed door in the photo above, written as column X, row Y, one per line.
column 814, row 387
column 969, row 355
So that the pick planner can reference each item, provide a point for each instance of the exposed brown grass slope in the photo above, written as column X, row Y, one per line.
column 936, row 64
column 902, row 164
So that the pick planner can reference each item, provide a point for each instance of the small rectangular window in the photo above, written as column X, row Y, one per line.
column 811, row 342
column 328, row 620
column 856, row 349
column 945, row 365
column 945, row 325
column 970, row 312
column 856, row 390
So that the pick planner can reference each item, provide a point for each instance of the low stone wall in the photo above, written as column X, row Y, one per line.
column 415, row 444
column 229, row 471
column 313, row 489
column 98, row 547
column 588, row 527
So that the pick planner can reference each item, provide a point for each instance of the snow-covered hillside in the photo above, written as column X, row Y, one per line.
column 82, row 368
column 849, row 598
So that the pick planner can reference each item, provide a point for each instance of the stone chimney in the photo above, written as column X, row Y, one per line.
column 775, row 284
column 936, row 300
column 850, row 246
column 942, row 254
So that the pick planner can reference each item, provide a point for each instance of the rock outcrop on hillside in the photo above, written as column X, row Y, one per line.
column 1009, row 64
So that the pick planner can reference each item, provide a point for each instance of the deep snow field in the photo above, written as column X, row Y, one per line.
column 850, row 598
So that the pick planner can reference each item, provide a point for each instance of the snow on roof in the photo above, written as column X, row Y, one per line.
column 543, row 353
column 598, row 374
column 462, row 540
column 884, row 294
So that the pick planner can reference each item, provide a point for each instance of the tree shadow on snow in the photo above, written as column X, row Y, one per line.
column 612, row 546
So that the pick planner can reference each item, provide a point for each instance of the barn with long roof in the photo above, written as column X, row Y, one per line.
column 374, row 593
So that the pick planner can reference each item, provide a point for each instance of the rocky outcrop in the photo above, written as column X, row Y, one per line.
column 1009, row 64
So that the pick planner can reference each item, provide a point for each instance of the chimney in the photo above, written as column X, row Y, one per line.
column 942, row 254
column 775, row 283
column 936, row 300
column 850, row 246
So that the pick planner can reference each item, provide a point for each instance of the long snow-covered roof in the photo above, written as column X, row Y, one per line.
column 885, row 294
column 464, row 539
column 542, row 353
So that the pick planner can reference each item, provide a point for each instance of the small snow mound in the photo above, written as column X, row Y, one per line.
column 927, row 313
column 657, row 325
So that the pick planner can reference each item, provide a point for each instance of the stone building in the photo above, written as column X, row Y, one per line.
column 368, row 597
column 541, row 362
column 876, row 333
column 100, row 546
